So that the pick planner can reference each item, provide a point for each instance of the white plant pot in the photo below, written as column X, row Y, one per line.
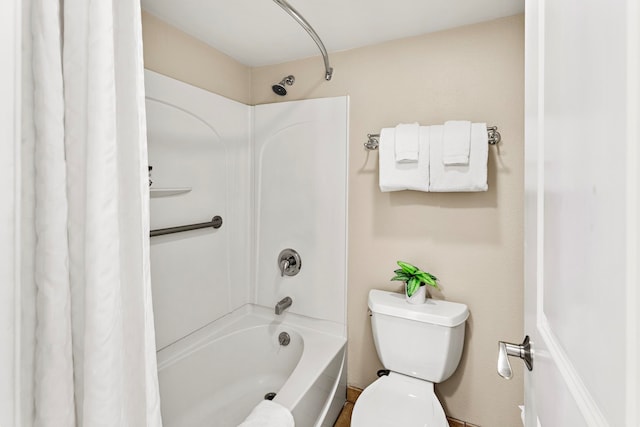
column 419, row 297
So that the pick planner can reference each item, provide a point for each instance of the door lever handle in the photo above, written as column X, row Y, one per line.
column 505, row 349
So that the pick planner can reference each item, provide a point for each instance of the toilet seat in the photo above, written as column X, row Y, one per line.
column 398, row 400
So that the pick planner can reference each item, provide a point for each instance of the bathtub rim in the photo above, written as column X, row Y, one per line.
column 322, row 342
column 245, row 317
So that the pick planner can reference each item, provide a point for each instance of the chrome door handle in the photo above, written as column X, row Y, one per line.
column 505, row 349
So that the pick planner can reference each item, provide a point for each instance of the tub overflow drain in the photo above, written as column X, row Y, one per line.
column 284, row 338
column 269, row 396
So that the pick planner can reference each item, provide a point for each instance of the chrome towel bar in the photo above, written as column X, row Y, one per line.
column 373, row 139
column 216, row 222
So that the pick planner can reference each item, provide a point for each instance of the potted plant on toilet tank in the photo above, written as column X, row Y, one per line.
column 415, row 281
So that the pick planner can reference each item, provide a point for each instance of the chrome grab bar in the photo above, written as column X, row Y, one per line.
column 216, row 222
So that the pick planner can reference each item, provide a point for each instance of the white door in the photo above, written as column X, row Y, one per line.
column 581, row 216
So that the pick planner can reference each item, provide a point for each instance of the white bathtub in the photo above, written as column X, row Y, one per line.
column 215, row 376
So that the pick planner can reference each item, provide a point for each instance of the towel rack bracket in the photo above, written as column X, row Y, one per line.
column 493, row 135
column 373, row 140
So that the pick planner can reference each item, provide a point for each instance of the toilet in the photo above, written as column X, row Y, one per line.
column 420, row 345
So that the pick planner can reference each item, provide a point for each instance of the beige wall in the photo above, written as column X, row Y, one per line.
column 173, row 53
column 472, row 242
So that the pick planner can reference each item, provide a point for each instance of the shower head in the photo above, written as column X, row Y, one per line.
column 280, row 89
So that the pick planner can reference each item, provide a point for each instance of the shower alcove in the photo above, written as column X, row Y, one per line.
column 277, row 175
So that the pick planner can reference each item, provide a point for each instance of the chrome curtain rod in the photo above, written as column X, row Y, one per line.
column 303, row 22
column 373, row 139
column 216, row 222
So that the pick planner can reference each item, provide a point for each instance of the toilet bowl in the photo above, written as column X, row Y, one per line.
column 421, row 345
column 398, row 400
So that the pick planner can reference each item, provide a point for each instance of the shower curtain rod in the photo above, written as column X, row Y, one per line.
column 303, row 22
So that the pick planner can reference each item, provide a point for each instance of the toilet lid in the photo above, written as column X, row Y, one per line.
column 398, row 400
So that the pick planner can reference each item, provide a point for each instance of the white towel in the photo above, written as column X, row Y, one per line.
column 407, row 143
column 456, row 143
column 269, row 414
column 403, row 176
column 471, row 177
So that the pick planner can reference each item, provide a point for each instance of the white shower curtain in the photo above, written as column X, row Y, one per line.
column 88, row 344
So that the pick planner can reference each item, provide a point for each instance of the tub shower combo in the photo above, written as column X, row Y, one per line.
column 250, row 305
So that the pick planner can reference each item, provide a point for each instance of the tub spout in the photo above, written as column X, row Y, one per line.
column 283, row 304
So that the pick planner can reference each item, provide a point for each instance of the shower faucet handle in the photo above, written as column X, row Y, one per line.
column 284, row 265
column 289, row 262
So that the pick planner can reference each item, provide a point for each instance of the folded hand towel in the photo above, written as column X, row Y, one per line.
column 471, row 177
column 269, row 414
column 456, row 143
column 403, row 176
column 407, row 143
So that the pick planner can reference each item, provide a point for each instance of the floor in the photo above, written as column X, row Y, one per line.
column 344, row 420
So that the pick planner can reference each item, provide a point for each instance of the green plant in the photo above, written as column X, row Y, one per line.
column 414, row 277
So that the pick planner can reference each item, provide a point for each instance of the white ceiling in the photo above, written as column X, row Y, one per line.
column 259, row 32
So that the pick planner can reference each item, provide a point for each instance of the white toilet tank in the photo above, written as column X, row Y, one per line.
column 420, row 340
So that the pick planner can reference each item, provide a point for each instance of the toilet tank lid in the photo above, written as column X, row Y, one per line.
column 438, row 312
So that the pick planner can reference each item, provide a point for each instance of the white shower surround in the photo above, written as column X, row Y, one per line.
column 199, row 140
column 277, row 174
column 300, row 158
